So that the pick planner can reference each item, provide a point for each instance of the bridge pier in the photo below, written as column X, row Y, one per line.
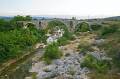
column 70, row 23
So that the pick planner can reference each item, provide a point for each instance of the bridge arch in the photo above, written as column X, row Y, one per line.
column 54, row 23
column 29, row 24
column 82, row 27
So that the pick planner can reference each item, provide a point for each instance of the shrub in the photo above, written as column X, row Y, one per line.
column 5, row 25
column 91, row 62
column 54, row 24
column 14, row 42
column 108, row 30
column 62, row 41
column 95, row 27
column 52, row 52
column 112, row 48
column 82, row 27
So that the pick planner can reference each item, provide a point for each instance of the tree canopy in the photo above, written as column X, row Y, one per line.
column 82, row 27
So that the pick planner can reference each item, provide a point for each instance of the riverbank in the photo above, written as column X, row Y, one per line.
column 11, row 64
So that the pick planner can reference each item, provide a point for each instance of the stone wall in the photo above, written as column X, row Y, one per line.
column 41, row 24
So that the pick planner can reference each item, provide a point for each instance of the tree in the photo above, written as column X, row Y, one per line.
column 22, row 18
column 28, row 18
column 82, row 27
column 55, row 23
column 5, row 25
column 18, row 18
column 73, row 18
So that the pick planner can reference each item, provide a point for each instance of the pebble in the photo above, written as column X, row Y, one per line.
column 68, row 67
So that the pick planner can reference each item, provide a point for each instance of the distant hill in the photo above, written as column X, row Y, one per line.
column 33, row 17
column 40, row 17
column 113, row 18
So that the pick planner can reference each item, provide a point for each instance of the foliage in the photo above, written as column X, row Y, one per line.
column 112, row 48
column 91, row 62
column 13, row 42
column 5, row 25
column 39, row 33
column 108, row 30
column 116, row 60
column 67, row 34
column 52, row 52
column 62, row 41
column 13, row 24
column 82, row 27
column 22, row 18
column 34, row 74
column 95, row 27
column 55, row 23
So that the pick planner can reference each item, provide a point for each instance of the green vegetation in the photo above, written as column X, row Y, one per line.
column 55, row 24
column 95, row 27
column 82, row 27
column 52, row 25
column 65, row 39
column 62, row 41
column 14, row 41
column 108, row 30
column 5, row 25
column 34, row 75
column 22, row 18
column 111, row 33
column 112, row 48
column 52, row 52
column 100, row 66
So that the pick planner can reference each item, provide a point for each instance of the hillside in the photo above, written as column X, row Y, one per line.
column 113, row 18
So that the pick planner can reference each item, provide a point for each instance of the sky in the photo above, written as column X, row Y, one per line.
column 88, row 8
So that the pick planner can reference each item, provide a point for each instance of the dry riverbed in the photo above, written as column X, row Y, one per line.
column 68, row 67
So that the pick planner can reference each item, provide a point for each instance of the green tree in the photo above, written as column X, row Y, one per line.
column 5, row 25
column 28, row 18
column 82, row 27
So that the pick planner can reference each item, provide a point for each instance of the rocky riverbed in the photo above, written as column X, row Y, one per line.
column 67, row 67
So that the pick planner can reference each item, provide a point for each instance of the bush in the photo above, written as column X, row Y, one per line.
column 108, row 30
column 112, row 48
column 14, row 42
column 52, row 52
column 96, row 27
column 62, row 41
column 55, row 23
column 91, row 62
column 5, row 25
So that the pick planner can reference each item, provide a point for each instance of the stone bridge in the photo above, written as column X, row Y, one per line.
column 70, row 23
